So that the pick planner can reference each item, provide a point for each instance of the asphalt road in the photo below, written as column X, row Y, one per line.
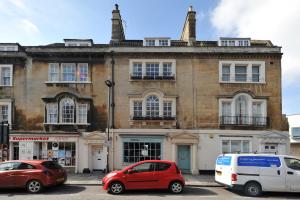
column 78, row 192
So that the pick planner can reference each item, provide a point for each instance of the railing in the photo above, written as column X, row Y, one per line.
column 156, row 118
column 244, row 120
column 140, row 77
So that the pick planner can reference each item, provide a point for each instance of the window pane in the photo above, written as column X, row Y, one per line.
column 5, row 76
column 152, row 70
column 52, row 113
column 236, row 146
column 167, row 69
column 137, row 108
column 225, row 146
column 225, row 73
column 167, row 109
column 255, row 73
column 137, row 69
column 83, row 72
column 82, row 113
column 4, row 113
column 246, row 146
column 67, row 107
column 292, row 163
column 241, row 73
column 152, row 106
column 68, row 72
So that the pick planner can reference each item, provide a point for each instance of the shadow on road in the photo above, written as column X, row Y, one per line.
column 56, row 190
column 188, row 191
column 275, row 195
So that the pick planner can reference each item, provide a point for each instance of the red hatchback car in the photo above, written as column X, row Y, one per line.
column 150, row 174
column 33, row 175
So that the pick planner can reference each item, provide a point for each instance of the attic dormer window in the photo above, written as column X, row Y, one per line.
column 78, row 43
column 157, row 42
column 8, row 48
column 232, row 42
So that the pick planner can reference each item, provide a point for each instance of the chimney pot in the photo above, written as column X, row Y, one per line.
column 117, row 6
column 191, row 8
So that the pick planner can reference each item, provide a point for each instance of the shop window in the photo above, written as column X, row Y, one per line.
column 235, row 146
column 64, row 153
column 139, row 151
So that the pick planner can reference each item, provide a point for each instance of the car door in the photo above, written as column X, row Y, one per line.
column 141, row 176
column 163, row 175
column 22, row 173
column 292, row 174
column 6, row 175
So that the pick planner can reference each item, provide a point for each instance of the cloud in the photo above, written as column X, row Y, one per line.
column 276, row 20
column 29, row 26
column 19, row 4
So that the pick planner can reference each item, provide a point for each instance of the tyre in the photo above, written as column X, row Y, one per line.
column 116, row 188
column 176, row 187
column 252, row 189
column 34, row 186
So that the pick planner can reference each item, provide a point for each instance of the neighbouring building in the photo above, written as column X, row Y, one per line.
column 183, row 100
column 294, row 131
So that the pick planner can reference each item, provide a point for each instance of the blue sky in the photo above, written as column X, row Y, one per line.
column 36, row 22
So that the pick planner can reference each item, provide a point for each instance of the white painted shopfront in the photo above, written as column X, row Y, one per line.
column 74, row 152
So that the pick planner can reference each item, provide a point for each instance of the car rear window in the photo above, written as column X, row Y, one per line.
column 51, row 165
column 162, row 166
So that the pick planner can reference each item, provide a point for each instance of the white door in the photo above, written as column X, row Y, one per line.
column 293, row 174
column 98, row 158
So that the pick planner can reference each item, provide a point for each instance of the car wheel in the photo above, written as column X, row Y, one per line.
column 176, row 187
column 34, row 186
column 116, row 188
column 252, row 189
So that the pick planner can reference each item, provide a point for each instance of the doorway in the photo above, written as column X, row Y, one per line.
column 98, row 156
column 184, row 158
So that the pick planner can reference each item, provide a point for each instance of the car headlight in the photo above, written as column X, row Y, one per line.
column 111, row 174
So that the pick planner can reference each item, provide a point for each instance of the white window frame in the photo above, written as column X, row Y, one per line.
column 250, row 102
column 78, row 44
column 8, row 103
column 144, row 62
column 234, row 42
column 137, row 109
column 82, row 113
column 56, row 65
column 152, row 42
column 161, row 98
column 248, row 65
column 9, row 48
column 236, row 139
column 52, row 107
column 11, row 75
column 62, row 119
column 79, row 66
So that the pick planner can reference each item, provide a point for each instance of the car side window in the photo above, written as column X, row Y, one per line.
column 25, row 166
column 9, row 166
column 162, row 166
column 145, row 167
column 292, row 163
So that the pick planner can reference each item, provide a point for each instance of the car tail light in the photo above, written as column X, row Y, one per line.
column 48, row 173
column 233, row 177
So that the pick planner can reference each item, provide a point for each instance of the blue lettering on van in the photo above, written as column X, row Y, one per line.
column 224, row 160
column 259, row 161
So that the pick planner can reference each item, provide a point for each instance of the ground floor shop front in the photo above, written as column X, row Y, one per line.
column 75, row 152
column 194, row 151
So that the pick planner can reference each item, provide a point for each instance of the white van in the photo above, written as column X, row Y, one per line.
column 255, row 173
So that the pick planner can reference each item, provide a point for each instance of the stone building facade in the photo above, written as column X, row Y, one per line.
column 170, row 99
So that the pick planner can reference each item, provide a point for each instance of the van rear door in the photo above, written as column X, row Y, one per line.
column 292, row 174
column 224, row 169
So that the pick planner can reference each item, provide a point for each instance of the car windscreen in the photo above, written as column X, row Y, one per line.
column 51, row 165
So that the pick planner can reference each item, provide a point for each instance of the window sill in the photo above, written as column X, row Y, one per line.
column 238, row 82
column 68, row 82
column 63, row 124
column 6, row 85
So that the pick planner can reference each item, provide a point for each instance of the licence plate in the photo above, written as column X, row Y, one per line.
column 219, row 173
column 60, row 179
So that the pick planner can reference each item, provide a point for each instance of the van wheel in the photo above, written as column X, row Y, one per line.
column 116, row 188
column 252, row 189
column 34, row 186
column 176, row 187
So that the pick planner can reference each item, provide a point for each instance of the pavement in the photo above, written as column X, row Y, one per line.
column 96, row 177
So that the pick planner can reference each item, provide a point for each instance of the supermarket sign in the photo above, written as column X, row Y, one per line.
column 40, row 138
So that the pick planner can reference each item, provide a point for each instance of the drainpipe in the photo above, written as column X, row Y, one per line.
column 112, row 90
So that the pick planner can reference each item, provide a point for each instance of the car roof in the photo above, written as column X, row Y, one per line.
column 28, row 161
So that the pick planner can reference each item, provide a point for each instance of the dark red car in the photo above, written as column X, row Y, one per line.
column 33, row 175
column 150, row 174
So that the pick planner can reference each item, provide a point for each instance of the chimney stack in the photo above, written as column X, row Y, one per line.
column 117, row 34
column 189, row 29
